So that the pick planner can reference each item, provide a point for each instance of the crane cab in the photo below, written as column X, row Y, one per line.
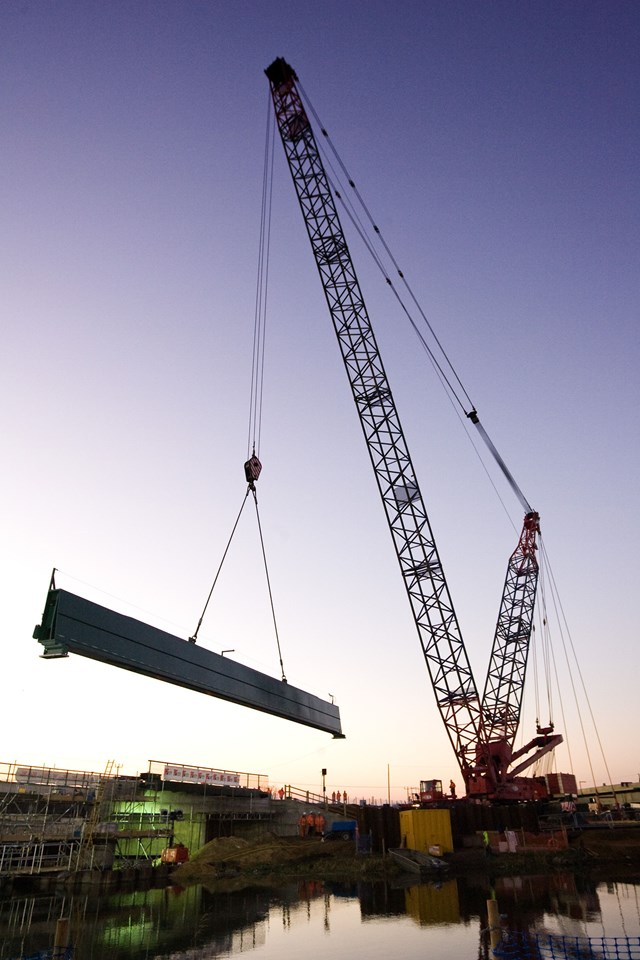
column 431, row 791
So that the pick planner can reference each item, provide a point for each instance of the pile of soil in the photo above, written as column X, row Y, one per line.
column 232, row 860
column 276, row 857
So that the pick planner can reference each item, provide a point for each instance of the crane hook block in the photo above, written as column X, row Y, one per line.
column 252, row 470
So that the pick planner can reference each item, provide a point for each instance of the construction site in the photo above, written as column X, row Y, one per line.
column 73, row 827
column 63, row 825
column 60, row 823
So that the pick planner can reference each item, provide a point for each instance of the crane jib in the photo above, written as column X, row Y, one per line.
column 469, row 722
column 409, row 525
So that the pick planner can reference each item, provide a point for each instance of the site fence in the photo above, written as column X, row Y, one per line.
column 55, row 953
column 524, row 945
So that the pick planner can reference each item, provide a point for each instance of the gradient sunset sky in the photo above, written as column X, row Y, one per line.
column 497, row 144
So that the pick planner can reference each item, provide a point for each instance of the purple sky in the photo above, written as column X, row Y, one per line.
column 497, row 146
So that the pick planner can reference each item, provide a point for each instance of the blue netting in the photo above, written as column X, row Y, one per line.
column 520, row 945
column 59, row 953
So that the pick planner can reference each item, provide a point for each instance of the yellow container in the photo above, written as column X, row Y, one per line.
column 427, row 903
column 421, row 829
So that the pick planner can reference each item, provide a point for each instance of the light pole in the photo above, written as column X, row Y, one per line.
column 324, row 786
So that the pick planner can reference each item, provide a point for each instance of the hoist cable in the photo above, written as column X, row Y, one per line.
column 253, row 466
column 545, row 644
column 260, row 312
column 507, row 473
column 449, row 391
column 553, row 663
column 481, row 461
column 444, row 379
column 389, row 253
column 562, row 620
column 386, row 247
column 194, row 637
column 258, row 315
column 470, row 413
column 359, row 228
column 367, row 243
column 565, row 726
column 265, row 276
column 533, row 653
column 266, row 570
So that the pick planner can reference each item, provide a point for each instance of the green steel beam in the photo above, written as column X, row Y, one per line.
column 71, row 624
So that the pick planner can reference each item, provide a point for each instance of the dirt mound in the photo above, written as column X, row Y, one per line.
column 230, row 856
column 271, row 849
column 219, row 850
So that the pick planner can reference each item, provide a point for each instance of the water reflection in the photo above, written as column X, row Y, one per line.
column 310, row 918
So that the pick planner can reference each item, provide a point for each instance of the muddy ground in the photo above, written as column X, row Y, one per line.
column 278, row 859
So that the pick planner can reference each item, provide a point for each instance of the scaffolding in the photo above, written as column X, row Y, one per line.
column 65, row 821
column 54, row 820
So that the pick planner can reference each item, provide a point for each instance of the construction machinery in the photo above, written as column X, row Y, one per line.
column 481, row 729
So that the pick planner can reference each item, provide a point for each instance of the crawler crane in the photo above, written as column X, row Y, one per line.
column 481, row 730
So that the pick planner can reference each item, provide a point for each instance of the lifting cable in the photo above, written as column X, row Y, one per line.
column 450, row 380
column 567, row 644
column 260, row 313
column 253, row 467
column 193, row 638
column 549, row 661
column 266, row 570
column 551, row 667
column 545, row 643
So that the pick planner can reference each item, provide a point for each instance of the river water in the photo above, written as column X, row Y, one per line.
column 317, row 921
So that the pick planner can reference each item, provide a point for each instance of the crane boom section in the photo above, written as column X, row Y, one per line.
column 502, row 697
column 422, row 572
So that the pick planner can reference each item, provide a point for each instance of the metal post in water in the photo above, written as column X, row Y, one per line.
column 493, row 916
column 61, row 939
